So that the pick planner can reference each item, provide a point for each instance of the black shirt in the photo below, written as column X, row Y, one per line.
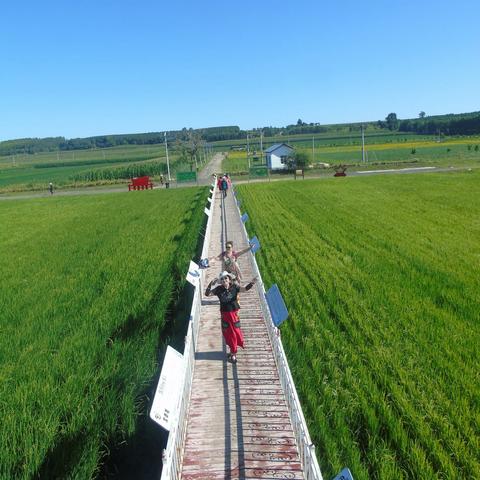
column 228, row 298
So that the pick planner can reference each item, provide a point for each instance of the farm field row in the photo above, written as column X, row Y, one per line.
column 87, row 286
column 461, row 153
column 76, row 168
column 380, row 277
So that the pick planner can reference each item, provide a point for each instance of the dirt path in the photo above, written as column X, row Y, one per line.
column 213, row 166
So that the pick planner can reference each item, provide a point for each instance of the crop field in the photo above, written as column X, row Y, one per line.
column 67, row 168
column 380, row 277
column 87, row 284
column 237, row 162
column 414, row 150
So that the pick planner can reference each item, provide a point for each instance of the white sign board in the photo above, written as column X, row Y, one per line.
column 165, row 402
column 207, row 211
column 193, row 274
column 209, row 199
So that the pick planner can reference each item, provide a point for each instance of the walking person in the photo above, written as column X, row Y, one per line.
column 227, row 293
column 50, row 188
column 229, row 258
column 224, row 186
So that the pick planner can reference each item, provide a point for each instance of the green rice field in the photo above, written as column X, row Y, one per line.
column 381, row 279
column 87, row 285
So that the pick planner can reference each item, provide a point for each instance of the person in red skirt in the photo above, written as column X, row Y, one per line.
column 227, row 293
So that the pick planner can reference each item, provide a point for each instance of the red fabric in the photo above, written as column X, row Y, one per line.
column 233, row 335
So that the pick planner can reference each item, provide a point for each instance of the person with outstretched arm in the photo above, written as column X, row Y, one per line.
column 227, row 292
column 229, row 258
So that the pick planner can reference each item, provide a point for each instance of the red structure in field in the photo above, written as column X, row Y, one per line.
column 140, row 183
column 340, row 171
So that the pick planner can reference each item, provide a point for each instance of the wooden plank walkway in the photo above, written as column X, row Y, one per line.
column 238, row 424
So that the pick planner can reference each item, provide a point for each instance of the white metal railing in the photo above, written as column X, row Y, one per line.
column 305, row 446
column 172, row 455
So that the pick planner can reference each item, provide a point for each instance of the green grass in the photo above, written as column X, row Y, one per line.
column 86, row 284
column 380, row 277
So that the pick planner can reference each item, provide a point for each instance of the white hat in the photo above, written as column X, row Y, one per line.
column 225, row 274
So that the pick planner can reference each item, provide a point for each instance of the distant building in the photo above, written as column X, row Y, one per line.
column 277, row 156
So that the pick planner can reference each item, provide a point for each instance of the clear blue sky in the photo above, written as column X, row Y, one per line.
column 85, row 68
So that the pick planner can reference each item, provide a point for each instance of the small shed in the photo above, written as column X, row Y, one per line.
column 277, row 156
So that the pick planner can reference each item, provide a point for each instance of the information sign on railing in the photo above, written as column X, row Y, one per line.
column 276, row 305
column 255, row 244
column 165, row 402
column 345, row 474
column 244, row 217
column 193, row 274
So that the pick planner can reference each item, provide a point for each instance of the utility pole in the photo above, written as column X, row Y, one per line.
column 313, row 149
column 261, row 145
column 166, row 151
column 363, row 145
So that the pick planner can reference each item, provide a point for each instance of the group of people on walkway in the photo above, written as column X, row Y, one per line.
column 224, row 183
column 226, row 287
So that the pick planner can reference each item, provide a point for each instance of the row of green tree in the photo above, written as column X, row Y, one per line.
column 451, row 124
column 52, row 144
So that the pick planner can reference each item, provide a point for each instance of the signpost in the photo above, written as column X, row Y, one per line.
column 167, row 394
column 276, row 305
column 345, row 474
column 255, row 244
column 193, row 274
column 185, row 177
column 258, row 172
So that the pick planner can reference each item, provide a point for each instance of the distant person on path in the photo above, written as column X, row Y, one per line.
column 227, row 293
column 224, row 186
column 161, row 179
column 229, row 258
column 50, row 188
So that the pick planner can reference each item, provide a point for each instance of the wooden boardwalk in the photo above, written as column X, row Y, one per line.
column 238, row 424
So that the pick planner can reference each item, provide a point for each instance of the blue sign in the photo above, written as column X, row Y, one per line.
column 276, row 305
column 255, row 244
column 238, row 203
column 345, row 474
column 244, row 217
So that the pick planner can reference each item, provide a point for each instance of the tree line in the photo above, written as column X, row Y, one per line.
column 451, row 124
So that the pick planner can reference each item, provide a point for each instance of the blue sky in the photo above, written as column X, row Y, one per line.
column 77, row 69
